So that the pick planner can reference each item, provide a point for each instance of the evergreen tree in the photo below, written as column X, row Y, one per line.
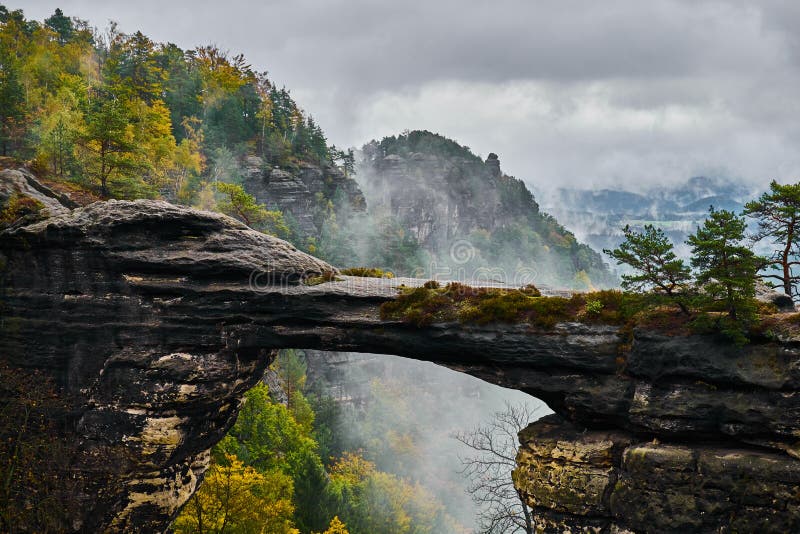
column 60, row 24
column 132, row 68
column 650, row 253
column 726, row 267
column 349, row 163
column 778, row 215
column 109, row 148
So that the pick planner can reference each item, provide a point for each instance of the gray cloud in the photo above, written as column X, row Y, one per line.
column 567, row 92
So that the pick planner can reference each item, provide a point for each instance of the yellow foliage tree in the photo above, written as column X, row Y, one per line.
column 235, row 498
column 336, row 527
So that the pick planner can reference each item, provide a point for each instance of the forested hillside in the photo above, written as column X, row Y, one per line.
column 114, row 115
column 105, row 114
column 288, row 466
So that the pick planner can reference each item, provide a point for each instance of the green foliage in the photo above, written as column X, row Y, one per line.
column 778, row 215
column 268, row 437
column 107, row 143
column 594, row 306
column 327, row 276
column 421, row 141
column 278, row 445
column 367, row 272
column 455, row 302
column 136, row 118
column 373, row 501
column 650, row 253
column 425, row 305
column 726, row 267
column 237, row 203
column 12, row 100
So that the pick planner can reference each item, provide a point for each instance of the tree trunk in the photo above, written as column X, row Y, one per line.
column 787, row 271
column 528, row 519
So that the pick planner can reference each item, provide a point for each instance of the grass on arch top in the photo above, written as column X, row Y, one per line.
column 456, row 302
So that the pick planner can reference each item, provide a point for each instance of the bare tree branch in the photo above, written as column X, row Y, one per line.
column 488, row 468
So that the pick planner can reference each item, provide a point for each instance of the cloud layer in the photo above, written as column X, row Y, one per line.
column 567, row 92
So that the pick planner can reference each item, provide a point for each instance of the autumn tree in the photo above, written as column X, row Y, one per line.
column 12, row 101
column 726, row 266
column 236, row 498
column 650, row 254
column 370, row 500
column 492, row 456
column 336, row 527
column 267, row 436
column 58, row 129
column 189, row 159
column 777, row 213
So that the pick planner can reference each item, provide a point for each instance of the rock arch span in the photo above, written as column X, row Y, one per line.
column 155, row 319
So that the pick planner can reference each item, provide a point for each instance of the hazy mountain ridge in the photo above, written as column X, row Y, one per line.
column 443, row 195
column 597, row 217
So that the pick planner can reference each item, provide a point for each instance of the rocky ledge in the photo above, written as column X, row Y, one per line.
column 153, row 320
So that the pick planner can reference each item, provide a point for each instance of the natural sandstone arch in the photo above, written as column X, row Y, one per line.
column 155, row 319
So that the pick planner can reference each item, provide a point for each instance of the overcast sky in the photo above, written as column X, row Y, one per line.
column 567, row 92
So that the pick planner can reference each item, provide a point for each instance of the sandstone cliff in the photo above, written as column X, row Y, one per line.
column 303, row 194
column 154, row 319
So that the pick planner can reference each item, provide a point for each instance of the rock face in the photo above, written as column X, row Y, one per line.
column 82, row 302
column 21, row 182
column 437, row 199
column 611, row 481
column 155, row 319
column 445, row 197
column 304, row 192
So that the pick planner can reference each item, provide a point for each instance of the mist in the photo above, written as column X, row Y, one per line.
column 404, row 413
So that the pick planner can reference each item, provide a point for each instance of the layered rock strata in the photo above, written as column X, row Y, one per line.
column 154, row 320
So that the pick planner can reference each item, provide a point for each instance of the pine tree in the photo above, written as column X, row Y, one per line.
column 726, row 268
column 778, row 215
column 60, row 24
column 108, row 141
column 650, row 253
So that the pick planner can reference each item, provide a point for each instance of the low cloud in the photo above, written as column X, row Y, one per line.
column 567, row 92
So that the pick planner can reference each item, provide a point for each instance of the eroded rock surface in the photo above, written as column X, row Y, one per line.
column 156, row 319
column 302, row 193
column 611, row 481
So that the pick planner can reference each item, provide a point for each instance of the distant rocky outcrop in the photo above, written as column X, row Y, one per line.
column 153, row 320
column 302, row 193
column 444, row 196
